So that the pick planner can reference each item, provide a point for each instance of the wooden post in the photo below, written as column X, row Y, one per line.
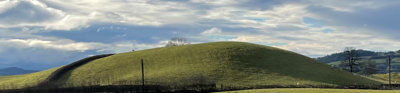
column 390, row 79
column 142, row 76
column 351, row 65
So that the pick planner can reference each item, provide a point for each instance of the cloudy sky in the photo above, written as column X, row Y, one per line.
column 49, row 33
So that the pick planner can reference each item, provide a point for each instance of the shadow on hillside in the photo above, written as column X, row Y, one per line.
column 56, row 75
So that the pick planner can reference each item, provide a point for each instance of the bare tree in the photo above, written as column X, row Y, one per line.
column 177, row 41
column 350, row 56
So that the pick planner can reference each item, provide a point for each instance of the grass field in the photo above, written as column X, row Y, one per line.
column 232, row 64
column 310, row 90
column 225, row 64
column 384, row 77
column 27, row 80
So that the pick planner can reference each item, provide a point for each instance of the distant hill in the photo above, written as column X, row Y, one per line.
column 365, row 55
column 221, row 64
column 338, row 56
column 14, row 71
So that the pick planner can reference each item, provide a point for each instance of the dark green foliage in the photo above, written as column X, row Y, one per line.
column 368, row 68
column 339, row 56
column 380, row 58
column 351, row 57
column 390, row 53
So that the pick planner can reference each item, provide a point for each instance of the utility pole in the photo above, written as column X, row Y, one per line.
column 142, row 76
column 351, row 64
column 390, row 79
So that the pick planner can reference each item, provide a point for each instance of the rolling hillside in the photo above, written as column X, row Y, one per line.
column 233, row 64
column 26, row 80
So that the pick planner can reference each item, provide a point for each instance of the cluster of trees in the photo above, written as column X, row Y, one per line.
column 351, row 62
column 177, row 41
column 339, row 56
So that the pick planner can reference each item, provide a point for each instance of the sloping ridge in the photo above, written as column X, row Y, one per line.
column 234, row 64
column 59, row 72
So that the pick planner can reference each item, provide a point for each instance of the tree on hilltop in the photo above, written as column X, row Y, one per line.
column 177, row 41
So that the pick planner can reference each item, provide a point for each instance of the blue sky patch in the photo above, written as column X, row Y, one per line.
column 258, row 19
column 327, row 30
column 224, row 37
column 313, row 22
column 272, row 44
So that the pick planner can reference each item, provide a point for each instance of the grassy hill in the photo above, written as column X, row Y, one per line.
column 233, row 64
column 26, row 80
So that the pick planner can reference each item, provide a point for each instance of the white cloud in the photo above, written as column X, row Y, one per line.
column 64, row 45
column 141, row 13
column 69, row 45
column 67, row 15
column 218, row 2
column 213, row 30
column 282, row 23
column 313, row 43
column 126, row 46
column 352, row 6
column 288, row 15
column 69, row 22
column 38, row 52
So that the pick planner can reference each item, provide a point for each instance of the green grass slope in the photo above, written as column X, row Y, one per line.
column 26, row 80
column 234, row 64
column 395, row 77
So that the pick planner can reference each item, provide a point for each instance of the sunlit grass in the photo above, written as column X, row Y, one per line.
column 26, row 80
column 233, row 64
column 385, row 77
column 225, row 64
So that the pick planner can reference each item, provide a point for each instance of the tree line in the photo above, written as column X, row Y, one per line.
column 351, row 61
